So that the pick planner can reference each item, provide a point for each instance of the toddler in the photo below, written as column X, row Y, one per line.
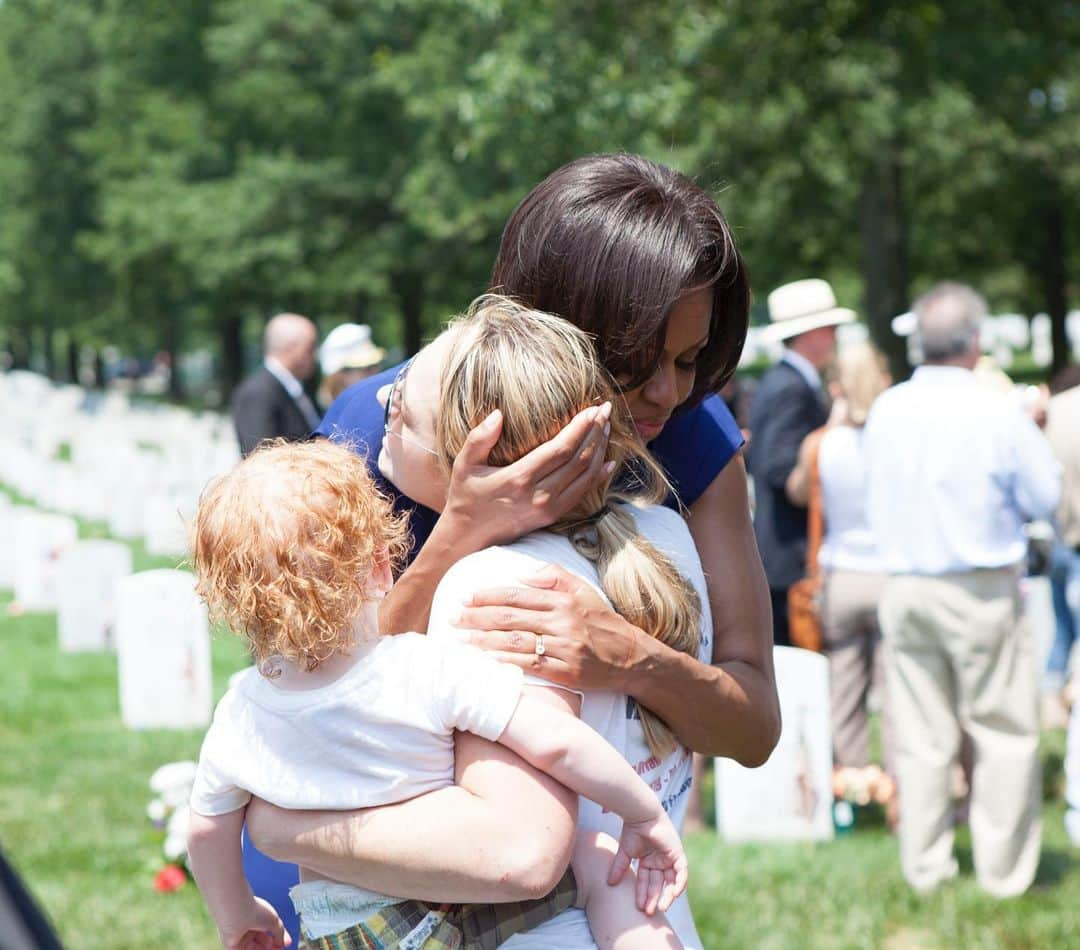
column 294, row 548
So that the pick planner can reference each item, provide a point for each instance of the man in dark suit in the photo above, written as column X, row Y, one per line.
column 272, row 403
column 789, row 403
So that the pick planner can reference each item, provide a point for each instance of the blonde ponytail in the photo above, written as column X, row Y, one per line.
column 540, row 370
column 645, row 588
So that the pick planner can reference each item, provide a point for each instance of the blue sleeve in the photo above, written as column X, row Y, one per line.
column 696, row 445
column 356, row 417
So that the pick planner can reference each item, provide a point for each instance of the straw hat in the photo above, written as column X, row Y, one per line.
column 803, row 306
column 349, row 346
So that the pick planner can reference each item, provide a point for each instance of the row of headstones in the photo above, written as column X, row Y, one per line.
column 140, row 469
column 131, row 508
column 153, row 620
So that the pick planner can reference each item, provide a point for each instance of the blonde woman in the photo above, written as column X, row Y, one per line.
column 853, row 570
column 539, row 370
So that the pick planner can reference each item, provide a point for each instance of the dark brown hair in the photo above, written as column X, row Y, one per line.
column 610, row 243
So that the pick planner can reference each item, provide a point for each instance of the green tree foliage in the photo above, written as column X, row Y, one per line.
column 47, row 62
column 174, row 172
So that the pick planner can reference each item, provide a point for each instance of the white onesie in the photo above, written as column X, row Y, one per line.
column 383, row 732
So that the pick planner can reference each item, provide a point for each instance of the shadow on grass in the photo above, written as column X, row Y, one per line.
column 1053, row 774
column 1054, row 866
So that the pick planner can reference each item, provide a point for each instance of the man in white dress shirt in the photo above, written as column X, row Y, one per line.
column 955, row 469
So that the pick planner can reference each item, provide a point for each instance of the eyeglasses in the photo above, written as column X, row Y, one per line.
column 395, row 396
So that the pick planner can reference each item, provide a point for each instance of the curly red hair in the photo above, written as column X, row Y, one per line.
column 285, row 546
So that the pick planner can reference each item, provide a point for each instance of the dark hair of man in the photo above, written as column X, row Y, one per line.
column 610, row 243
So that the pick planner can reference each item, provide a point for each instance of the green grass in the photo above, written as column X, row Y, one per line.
column 73, row 793
column 849, row 893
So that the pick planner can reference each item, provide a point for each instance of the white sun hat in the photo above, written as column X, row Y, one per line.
column 349, row 346
column 803, row 306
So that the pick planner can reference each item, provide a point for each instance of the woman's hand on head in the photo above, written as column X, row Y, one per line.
column 585, row 644
column 493, row 504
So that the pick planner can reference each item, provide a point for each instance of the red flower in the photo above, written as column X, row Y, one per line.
column 169, row 878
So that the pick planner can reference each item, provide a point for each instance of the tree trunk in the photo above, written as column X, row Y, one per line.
column 20, row 343
column 1052, row 276
column 409, row 288
column 232, row 351
column 47, row 340
column 72, row 360
column 172, row 340
column 885, row 264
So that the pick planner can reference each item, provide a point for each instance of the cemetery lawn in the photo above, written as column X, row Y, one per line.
column 73, row 794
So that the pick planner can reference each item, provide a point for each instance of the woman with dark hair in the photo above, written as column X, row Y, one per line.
column 639, row 256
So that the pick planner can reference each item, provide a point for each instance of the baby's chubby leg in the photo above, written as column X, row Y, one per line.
column 614, row 918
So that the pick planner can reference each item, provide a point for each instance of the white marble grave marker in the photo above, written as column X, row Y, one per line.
column 164, row 529
column 125, row 503
column 790, row 797
column 87, row 574
column 163, row 647
column 40, row 541
column 7, row 546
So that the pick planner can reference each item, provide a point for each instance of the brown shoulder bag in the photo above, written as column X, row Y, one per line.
column 804, row 596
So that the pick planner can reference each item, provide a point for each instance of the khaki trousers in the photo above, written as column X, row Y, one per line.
column 852, row 640
column 959, row 655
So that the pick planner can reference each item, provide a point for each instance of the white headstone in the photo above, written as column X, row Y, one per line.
column 7, row 547
column 40, row 540
column 163, row 647
column 87, row 574
column 164, row 528
column 1042, row 349
column 789, row 798
column 126, row 502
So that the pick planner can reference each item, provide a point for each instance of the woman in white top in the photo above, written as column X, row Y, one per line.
column 539, row 370
column 849, row 559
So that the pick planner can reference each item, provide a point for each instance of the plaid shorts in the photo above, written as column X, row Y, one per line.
column 412, row 925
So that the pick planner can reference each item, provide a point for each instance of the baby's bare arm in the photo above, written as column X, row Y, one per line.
column 215, row 858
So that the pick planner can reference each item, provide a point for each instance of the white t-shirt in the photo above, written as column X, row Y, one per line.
column 613, row 715
column 849, row 543
column 380, row 733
